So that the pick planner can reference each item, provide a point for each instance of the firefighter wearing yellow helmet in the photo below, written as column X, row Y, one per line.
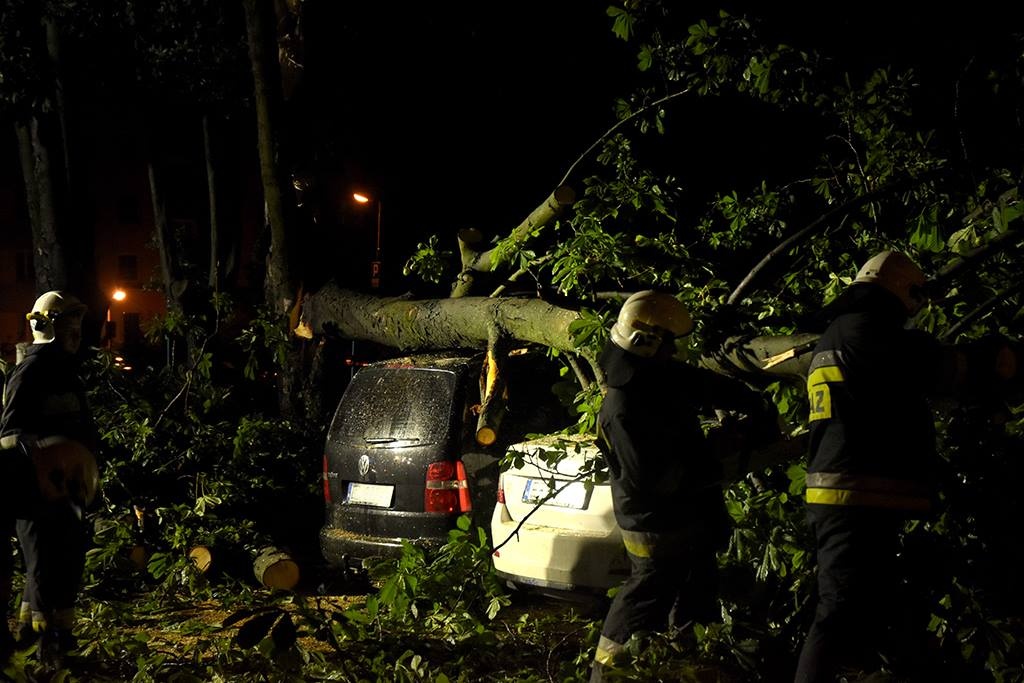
column 46, row 423
column 664, row 479
column 872, row 459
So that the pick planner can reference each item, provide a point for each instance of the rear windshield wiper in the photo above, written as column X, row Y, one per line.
column 388, row 439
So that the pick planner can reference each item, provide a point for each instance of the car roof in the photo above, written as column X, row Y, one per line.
column 441, row 361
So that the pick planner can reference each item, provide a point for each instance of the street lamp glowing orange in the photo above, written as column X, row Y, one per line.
column 108, row 327
column 376, row 263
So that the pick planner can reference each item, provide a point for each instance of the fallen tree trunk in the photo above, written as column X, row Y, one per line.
column 434, row 324
column 469, row 322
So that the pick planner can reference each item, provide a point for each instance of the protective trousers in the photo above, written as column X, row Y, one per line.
column 857, row 585
column 54, row 542
column 673, row 580
column 17, row 472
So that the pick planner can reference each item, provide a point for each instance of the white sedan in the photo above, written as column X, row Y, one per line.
column 553, row 526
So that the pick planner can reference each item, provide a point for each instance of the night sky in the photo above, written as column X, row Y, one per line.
column 465, row 115
column 459, row 115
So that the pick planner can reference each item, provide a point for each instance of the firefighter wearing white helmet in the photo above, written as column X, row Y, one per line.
column 898, row 275
column 57, row 316
column 664, row 479
column 647, row 319
column 46, row 421
column 872, row 459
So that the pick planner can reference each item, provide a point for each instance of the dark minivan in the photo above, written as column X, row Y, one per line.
column 401, row 460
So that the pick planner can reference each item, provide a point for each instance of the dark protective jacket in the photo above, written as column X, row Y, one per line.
column 45, row 397
column 872, row 434
column 664, row 477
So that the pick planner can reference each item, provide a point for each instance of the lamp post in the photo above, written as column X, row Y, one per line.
column 110, row 327
column 375, row 265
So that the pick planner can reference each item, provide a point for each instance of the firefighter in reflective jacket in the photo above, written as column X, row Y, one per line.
column 872, row 454
column 664, row 479
column 46, row 419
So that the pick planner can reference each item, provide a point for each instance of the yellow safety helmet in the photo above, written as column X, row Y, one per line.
column 896, row 273
column 52, row 310
column 66, row 470
column 647, row 319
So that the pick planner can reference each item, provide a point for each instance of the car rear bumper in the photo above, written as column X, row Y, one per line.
column 557, row 558
column 342, row 548
column 353, row 533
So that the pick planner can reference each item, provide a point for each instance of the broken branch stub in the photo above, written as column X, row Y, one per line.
column 476, row 261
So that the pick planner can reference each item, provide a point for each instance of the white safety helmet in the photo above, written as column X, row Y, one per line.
column 896, row 273
column 53, row 314
column 647, row 319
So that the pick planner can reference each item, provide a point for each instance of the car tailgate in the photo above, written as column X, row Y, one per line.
column 555, row 493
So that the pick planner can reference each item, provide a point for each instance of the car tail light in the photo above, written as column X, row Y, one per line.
column 327, row 484
column 465, row 504
column 446, row 488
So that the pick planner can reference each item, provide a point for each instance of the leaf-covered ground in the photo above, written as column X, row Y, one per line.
column 242, row 634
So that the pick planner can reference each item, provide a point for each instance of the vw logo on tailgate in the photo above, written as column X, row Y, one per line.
column 364, row 464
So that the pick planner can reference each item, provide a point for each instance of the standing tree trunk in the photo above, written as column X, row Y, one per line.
column 279, row 290
column 75, row 230
column 213, row 280
column 173, row 285
column 42, row 196
column 55, row 206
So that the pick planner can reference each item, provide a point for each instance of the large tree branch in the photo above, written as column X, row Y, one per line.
column 974, row 257
column 619, row 124
column 985, row 307
column 780, row 356
column 817, row 223
column 476, row 261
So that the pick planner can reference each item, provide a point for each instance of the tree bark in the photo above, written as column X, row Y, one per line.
column 275, row 568
column 471, row 322
column 433, row 323
column 281, row 289
column 266, row 73
column 748, row 357
column 41, row 193
column 173, row 286
column 213, row 280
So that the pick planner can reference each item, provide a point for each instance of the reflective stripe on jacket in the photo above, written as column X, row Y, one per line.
column 654, row 544
column 835, row 488
column 872, row 434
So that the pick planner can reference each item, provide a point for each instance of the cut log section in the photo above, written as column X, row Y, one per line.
column 202, row 558
column 274, row 568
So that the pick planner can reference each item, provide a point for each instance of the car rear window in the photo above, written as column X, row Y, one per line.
column 396, row 403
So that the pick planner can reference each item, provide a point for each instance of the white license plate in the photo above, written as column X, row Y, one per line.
column 377, row 495
column 572, row 495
